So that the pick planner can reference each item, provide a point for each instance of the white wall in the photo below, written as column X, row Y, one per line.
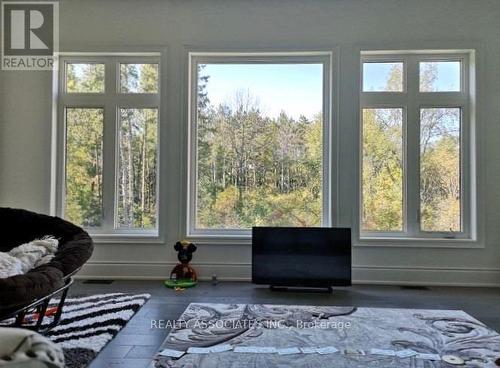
column 97, row 25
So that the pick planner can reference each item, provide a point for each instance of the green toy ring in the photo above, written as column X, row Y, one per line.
column 181, row 283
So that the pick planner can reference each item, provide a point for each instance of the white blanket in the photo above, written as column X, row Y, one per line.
column 27, row 256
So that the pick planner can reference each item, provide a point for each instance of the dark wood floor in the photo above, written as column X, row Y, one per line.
column 136, row 344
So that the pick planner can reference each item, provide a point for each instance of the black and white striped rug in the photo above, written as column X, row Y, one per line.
column 89, row 323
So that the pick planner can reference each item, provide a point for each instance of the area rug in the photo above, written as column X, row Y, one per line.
column 351, row 337
column 89, row 323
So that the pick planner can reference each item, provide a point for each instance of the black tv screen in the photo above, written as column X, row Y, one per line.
column 304, row 257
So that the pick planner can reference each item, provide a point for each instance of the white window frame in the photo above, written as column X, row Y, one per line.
column 411, row 101
column 221, row 57
column 111, row 101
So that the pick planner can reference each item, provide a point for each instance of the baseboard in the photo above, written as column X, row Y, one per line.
column 427, row 276
column 381, row 275
column 161, row 270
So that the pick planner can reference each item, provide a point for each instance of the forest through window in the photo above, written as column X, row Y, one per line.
column 260, row 139
column 259, row 145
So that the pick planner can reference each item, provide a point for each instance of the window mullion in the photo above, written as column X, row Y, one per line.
column 109, row 156
column 327, row 175
column 412, row 141
column 382, row 99
column 467, row 166
column 137, row 103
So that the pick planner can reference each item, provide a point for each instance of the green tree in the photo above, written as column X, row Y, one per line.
column 256, row 170
column 84, row 129
column 382, row 170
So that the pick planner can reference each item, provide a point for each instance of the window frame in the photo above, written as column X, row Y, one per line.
column 195, row 58
column 412, row 100
column 111, row 101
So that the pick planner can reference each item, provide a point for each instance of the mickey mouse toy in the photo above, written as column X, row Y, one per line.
column 183, row 275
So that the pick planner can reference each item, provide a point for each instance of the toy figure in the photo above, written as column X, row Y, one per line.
column 183, row 275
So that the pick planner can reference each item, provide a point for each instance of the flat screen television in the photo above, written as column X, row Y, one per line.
column 301, row 256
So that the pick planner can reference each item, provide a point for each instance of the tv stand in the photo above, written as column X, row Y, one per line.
column 303, row 289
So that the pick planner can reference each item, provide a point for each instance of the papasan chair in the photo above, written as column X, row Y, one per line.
column 25, row 294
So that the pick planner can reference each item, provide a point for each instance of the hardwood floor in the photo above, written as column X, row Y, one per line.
column 136, row 344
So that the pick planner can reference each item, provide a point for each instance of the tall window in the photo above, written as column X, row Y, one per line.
column 108, row 113
column 258, row 127
column 415, row 145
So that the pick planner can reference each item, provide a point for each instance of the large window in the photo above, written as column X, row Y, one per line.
column 258, row 127
column 108, row 114
column 415, row 145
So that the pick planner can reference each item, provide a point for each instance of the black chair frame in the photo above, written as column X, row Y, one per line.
column 39, row 306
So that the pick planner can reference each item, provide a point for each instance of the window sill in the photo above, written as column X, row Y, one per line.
column 379, row 242
column 120, row 238
column 221, row 239
column 400, row 242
